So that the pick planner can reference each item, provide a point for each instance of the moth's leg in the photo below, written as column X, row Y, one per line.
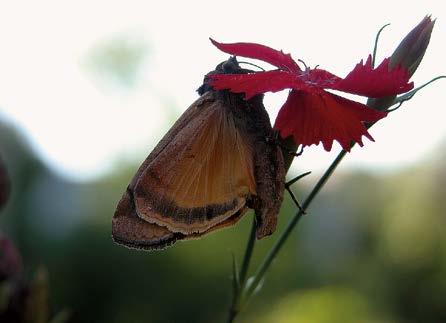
column 295, row 154
column 274, row 138
column 295, row 179
column 288, row 151
column 287, row 187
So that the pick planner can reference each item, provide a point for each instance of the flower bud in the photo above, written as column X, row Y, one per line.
column 408, row 54
column 410, row 51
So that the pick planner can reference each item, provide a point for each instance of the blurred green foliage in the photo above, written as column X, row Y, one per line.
column 118, row 60
column 372, row 249
column 325, row 305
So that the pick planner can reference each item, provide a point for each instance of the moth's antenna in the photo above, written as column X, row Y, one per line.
column 249, row 63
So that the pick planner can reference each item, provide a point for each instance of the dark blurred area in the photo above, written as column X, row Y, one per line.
column 372, row 249
column 4, row 184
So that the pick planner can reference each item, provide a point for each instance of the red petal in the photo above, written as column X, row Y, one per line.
column 321, row 78
column 313, row 117
column 261, row 52
column 256, row 83
column 374, row 83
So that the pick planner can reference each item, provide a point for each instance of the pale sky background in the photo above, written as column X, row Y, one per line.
column 83, row 126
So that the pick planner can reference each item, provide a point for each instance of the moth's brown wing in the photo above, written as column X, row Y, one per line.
column 201, row 175
column 130, row 230
column 127, row 227
column 133, row 232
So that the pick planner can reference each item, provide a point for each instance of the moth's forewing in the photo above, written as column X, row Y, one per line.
column 130, row 230
column 202, row 177
column 196, row 180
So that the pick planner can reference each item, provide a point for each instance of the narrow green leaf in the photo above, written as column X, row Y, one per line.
column 235, row 277
column 295, row 179
column 409, row 95
column 375, row 47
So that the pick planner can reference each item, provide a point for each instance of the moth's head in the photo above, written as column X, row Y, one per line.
column 231, row 66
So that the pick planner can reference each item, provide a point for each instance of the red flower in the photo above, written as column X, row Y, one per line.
column 311, row 114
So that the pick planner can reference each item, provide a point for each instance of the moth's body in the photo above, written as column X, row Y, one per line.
column 213, row 164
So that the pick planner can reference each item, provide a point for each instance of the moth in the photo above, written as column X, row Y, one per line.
column 216, row 162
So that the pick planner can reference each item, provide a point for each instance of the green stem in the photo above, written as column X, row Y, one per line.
column 260, row 273
column 290, row 226
column 248, row 253
column 237, row 298
column 232, row 315
column 245, row 292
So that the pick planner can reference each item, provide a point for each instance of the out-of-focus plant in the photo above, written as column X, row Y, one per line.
column 340, row 305
column 21, row 300
column 118, row 60
column 4, row 184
